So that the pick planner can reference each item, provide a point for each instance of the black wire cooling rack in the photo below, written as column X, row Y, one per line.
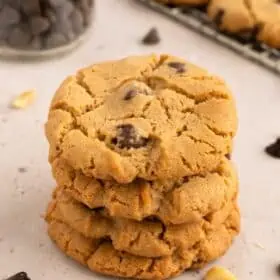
column 196, row 19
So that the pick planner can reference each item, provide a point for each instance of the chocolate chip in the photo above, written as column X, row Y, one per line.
column 77, row 21
column 39, row 25
column 19, row 37
column 19, row 276
column 228, row 156
column 36, row 43
column 57, row 3
column 130, row 94
column 64, row 26
column 31, row 7
column 151, row 38
column 15, row 4
column 273, row 149
column 50, row 14
column 55, row 40
column 127, row 137
column 179, row 66
column 8, row 17
column 218, row 19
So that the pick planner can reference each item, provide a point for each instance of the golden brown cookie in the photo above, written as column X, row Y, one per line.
column 231, row 16
column 185, row 200
column 149, row 238
column 150, row 117
column 248, row 17
column 101, row 256
column 267, row 17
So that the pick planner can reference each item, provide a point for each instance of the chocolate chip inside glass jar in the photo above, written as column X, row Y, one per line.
column 43, row 24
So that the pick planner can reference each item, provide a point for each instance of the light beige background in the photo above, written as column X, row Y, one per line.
column 116, row 32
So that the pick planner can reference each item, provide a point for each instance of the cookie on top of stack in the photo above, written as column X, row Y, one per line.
column 140, row 148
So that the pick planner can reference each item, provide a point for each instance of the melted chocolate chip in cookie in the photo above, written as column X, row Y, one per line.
column 228, row 156
column 127, row 137
column 219, row 17
column 179, row 66
column 274, row 149
column 130, row 94
column 19, row 276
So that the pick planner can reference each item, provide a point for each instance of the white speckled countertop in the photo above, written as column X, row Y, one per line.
column 118, row 27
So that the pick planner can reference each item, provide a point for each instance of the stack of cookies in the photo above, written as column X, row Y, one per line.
column 140, row 152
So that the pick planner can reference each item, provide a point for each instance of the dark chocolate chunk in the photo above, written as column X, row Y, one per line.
column 39, row 25
column 127, row 137
column 151, row 38
column 19, row 276
column 55, row 40
column 31, row 7
column 36, row 43
column 50, row 14
column 8, row 17
column 20, row 37
column 130, row 94
column 64, row 26
column 4, row 33
column 77, row 21
column 14, row 4
column 218, row 19
column 179, row 66
column 57, row 3
column 65, row 10
column 273, row 149
column 228, row 156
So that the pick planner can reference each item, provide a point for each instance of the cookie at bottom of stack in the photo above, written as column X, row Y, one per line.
column 100, row 256
column 148, row 238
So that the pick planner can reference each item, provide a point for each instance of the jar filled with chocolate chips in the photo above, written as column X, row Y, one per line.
column 43, row 26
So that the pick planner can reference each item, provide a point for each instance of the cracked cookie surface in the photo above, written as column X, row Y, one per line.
column 101, row 256
column 231, row 16
column 260, row 18
column 182, row 201
column 149, row 238
column 144, row 117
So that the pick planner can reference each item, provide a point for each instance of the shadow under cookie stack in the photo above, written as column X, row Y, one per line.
column 139, row 150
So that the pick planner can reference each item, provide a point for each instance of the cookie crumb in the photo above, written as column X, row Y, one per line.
column 24, row 99
column 19, row 276
column 273, row 149
column 258, row 245
column 151, row 38
column 219, row 273
column 22, row 169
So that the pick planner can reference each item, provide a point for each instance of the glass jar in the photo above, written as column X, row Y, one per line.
column 36, row 27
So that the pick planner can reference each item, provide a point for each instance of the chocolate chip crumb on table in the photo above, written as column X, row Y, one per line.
column 273, row 149
column 151, row 38
column 19, row 276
